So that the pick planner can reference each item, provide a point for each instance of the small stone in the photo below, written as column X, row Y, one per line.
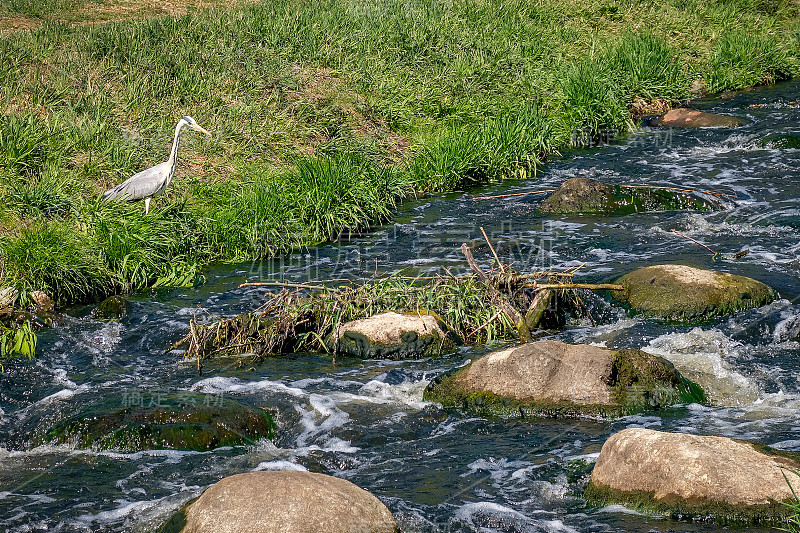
column 287, row 502
column 693, row 475
column 43, row 301
column 394, row 336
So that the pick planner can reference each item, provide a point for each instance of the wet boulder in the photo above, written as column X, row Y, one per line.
column 553, row 378
column 693, row 476
column 143, row 421
column 394, row 336
column 112, row 308
column 42, row 302
column 284, row 502
column 588, row 196
column 690, row 118
column 687, row 294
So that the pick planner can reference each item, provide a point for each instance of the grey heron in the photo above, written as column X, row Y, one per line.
column 154, row 180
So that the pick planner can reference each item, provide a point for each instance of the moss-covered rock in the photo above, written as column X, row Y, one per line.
column 693, row 476
column 686, row 294
column 781, row 142
column 690, row 118
column 395, row 336
column 552, row 378
column 588, row 196
column 112, row 308
column 144, row 421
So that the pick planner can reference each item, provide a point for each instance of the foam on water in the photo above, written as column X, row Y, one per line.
column 703, row 355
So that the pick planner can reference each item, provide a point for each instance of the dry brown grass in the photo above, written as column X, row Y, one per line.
column 116, row 10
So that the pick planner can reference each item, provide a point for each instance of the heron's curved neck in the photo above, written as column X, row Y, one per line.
column 173, row 155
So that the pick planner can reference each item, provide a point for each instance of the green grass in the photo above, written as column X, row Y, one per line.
column 793, row 521
column 325, row 116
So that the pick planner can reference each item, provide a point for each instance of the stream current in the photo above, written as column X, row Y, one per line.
column 365, row 421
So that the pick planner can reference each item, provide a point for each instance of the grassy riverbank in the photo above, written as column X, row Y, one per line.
column 325, row 115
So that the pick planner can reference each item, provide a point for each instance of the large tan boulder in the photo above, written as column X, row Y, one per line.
column 287, row 502
column 394, row 336
column 687, row 294
column 693, row 475
column 690, row 118
column 553, row 378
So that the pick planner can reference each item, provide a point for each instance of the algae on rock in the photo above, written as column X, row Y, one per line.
column 686, row 294
column 177, row 421
column 589, row 196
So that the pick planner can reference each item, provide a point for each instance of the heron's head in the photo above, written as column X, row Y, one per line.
column 192, row 123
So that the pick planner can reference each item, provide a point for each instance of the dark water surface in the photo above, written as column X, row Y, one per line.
column 365, row 421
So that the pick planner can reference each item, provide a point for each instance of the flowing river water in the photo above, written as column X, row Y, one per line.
column 365, row 421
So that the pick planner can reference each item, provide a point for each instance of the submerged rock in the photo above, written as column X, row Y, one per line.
column 687, row 294
column 552, row 378
column 588, row 196
column 691, row 118
column 395, row 336
column 780, row 142
column 143, row 421
column 112, row 308
column 690, row 475
column 284, row 502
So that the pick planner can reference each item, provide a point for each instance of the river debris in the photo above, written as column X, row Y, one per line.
column 476, row 308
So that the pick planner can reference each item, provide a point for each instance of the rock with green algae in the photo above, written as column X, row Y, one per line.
column 553, row 378
column 687, row 294
column 691, row 476
column 112, row 308
column 395, row 336
column 178, row 421
column 286, row 501
column 592, row 197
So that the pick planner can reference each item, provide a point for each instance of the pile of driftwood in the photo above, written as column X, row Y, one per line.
column 477, row 307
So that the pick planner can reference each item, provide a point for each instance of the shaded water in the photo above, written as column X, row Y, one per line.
column 365, row 420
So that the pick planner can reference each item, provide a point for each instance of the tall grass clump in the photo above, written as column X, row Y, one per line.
column 459, row 157
column 594, row 102
column 646, row 66
column 331, row 195
column 47, row 195
column 51, row 256
column 742, row 59
column 250, row 218
column 161, row 249
column 28, row 144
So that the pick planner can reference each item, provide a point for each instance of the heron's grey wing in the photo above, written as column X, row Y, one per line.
column 141, row 185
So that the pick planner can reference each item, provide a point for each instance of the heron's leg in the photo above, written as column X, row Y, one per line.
column 146, row 205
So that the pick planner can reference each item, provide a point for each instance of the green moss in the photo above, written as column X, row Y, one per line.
column 141, row 421
column 695, row 508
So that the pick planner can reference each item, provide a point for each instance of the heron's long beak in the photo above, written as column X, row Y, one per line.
column 201, row 130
